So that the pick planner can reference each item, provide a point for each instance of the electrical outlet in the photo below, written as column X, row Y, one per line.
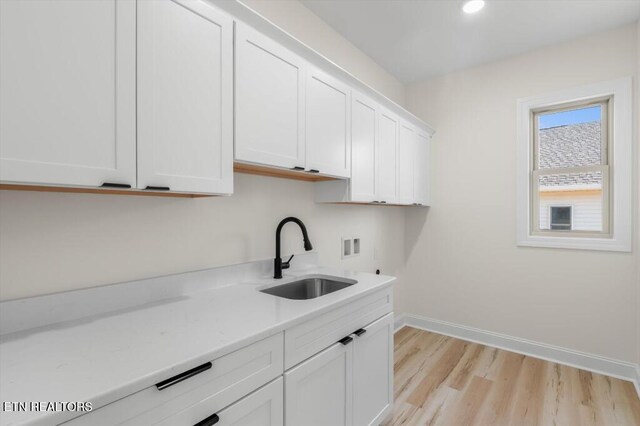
column 350, row 247
column 346, row 247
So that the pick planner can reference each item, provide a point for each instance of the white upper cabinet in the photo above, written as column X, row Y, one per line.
column 269, row 102
column 328, row 125
column 67, row 85
column 364, row 130
column 185, row 97
column 387, row 157
column 406, row 172
column 422, row 169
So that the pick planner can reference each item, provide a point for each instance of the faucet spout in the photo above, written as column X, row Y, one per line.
column 278, row 265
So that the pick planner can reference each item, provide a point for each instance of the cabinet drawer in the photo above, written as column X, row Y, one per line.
column 230, row 378
column 311, row 337
column 264, row 407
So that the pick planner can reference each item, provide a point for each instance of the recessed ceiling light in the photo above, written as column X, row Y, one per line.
column 472, row 6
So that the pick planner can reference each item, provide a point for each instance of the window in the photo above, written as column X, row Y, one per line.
column 575, row 168
column 560, row 218
column 570, row 166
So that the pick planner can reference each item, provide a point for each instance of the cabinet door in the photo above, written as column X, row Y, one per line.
column 406, row 160
column 263, row 407
column 185, row 97
column 386, row 157
column 328, row 125
column 363, row 149
column 422, row 169
column 318, row 392
column 373, row 373
column 67, row 84
column 269, row 101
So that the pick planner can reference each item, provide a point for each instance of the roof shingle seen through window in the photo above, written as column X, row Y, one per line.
column 574, row 145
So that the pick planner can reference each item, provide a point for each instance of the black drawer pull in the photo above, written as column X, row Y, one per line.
column 313, row 171
column 345, row 341
column 383, row 202
column 297, row 168
column 115, row 185
column 211, row 420
column 183, row 376
column 360, row 332
column 158, row 188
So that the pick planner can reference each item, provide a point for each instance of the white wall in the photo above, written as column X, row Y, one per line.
column 303, row 24
column 637, row 153
column 463, row 264
column 52, row 242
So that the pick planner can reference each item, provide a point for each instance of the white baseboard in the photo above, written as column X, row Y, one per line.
column 597, row 364
column 399, row 321
column 637, row 380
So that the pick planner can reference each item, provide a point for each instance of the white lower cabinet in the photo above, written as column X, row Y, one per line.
column 214, row 386
column 340, row 373
column 373, row 373
column 263, row 407
column 349, row 383
column 318, row 392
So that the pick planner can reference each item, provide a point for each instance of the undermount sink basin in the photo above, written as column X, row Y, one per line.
column 309, row 287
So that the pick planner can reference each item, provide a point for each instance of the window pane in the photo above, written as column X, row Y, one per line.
column 570, row 138
column 571, row 201
column 561, row 218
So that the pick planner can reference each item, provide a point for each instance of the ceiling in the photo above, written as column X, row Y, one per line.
column 417, row 39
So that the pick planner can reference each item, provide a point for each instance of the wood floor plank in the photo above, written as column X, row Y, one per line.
column 529, row 393
column 462, row 375
column 467, row 409
column 497, row 411
column 443, row 381
column 439, row 373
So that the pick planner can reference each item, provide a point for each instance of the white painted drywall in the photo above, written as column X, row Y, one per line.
column 463, row 265
column 53, row 242
column 637, row 218
column 303, row 24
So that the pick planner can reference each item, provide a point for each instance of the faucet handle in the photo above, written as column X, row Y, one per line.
column 285, row 265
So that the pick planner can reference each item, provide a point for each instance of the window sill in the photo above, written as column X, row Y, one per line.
column 576, row 243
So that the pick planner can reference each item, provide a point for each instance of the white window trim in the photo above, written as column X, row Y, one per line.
column 620, row 160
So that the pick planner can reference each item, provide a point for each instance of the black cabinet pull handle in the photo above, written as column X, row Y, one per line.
column 158, row 188
column 360, row 332
column 115, row 185
column 346, row 340
column 313, row 171
column 211, row 420
column 383, row 202
column 183, row 376
column 297, row 168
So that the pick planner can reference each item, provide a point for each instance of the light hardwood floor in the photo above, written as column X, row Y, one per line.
column 441, row 380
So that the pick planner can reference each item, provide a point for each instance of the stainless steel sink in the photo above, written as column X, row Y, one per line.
column 309, row 287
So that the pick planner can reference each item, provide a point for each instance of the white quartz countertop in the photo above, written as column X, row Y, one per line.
column 104, row 357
